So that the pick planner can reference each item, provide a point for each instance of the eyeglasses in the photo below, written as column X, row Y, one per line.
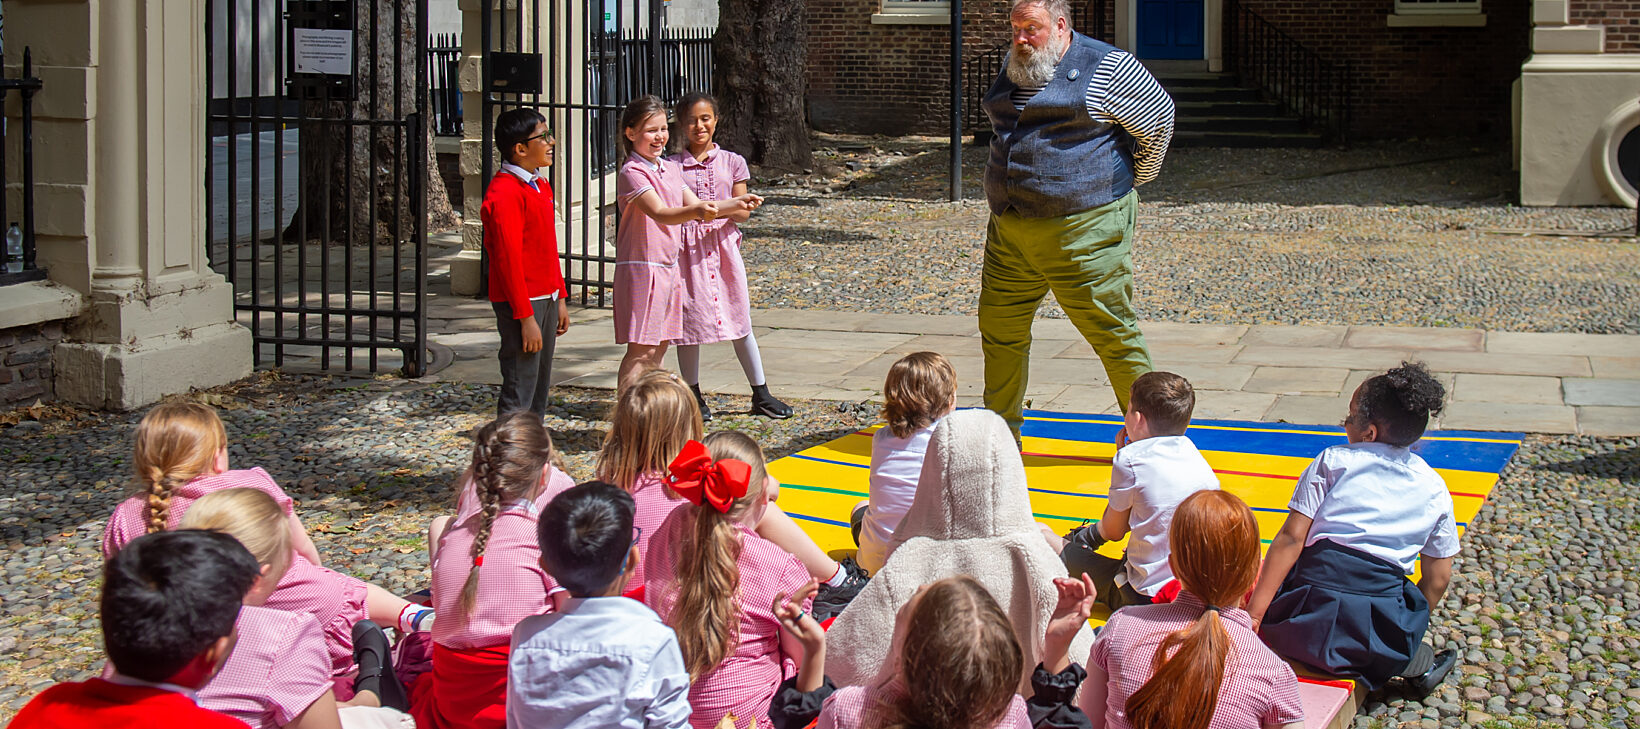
column 545, row 136
column 637, row 534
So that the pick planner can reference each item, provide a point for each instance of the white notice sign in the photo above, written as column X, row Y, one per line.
column 322, row 51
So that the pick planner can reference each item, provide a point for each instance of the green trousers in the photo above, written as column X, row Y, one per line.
column 1086, row 260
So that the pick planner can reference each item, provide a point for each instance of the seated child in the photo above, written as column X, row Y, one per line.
column 181, row 455
column 921, row 388
column 1333, row 594
column 279, row 674
column 971, row 516
column 713, row 579
column 487, row 573
column 1194, row 663
column 960, row 675
column 1156, row 467
column 169, row 601
column 601, row 660
column 653, row 418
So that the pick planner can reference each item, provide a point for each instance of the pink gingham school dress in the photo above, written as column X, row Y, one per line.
column 648, row 285
column 716, row 306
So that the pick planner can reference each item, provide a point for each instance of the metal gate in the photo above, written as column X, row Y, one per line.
column 578, row 62
column 315, row 178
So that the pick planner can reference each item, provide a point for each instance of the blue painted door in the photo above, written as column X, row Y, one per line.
column 1169, row 29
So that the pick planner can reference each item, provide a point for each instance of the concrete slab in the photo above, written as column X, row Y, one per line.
column 1602, row 393
column 1608, row 421
column 1167, row 332
column 1290, row 335
column 948, row 345
column 834, row 321
column 1297, row 380
column 1164, row 352
column 1308, row 410
column 476, row 371
column 1605, row 345
column 1615, row 368
column 807, row 365
column 1509, row 416
column 962, row 326
column 1463, row 340
column 1491, row 363
column 1213, row 376
column 1055, row 329
column 969, row 369
column 1507, row 388
column 1320, row 357
column 1232, row 405
column 873, row 342
column 1081, row 399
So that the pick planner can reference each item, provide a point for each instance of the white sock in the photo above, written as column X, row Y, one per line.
column 415, row 618
column 838, row 577
column 689, row 363
column 751, row 361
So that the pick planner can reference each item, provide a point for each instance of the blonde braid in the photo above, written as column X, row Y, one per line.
column 159, row 498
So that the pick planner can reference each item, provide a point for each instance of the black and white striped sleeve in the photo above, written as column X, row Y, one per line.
column 1122, row 92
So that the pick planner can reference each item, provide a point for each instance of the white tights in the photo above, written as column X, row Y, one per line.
column 745, row 350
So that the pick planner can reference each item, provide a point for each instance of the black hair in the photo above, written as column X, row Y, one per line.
column 1400, row 402
column 636, row 112
column 167, row 596
column 682, row 108
column 514, row 127
column 585, row 534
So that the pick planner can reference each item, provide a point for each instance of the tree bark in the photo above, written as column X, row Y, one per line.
column 761, row 51
column 357, row 177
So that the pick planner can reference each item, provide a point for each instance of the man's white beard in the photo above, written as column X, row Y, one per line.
column 1034, row 68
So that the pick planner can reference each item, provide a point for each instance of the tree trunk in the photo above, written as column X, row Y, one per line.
column 357, row 177
column 761, row 51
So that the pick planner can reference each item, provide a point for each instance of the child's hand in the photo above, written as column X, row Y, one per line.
column 563, row 317
column 1122, row 438
column 1070, row 613
column 708, row 210
column 532, row 334
column 750, row 202
column 788, row 609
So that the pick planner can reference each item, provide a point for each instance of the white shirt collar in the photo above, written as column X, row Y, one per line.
column 123, row 680
column 527, row 176
column 656, row 165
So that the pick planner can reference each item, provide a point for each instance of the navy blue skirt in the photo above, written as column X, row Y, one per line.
column 1346, row 613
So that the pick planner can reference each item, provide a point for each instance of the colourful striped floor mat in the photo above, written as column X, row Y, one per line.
column 1067, row 462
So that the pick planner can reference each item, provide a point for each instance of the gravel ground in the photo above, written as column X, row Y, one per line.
column 1393, row 234
column 1543, row 603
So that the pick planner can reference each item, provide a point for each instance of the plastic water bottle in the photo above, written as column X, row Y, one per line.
column 14, row 249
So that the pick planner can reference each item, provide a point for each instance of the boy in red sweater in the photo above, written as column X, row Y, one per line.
column 169, row 603
column 526, row 288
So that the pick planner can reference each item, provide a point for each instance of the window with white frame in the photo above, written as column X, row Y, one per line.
column 933, row 12
column 1437, row 7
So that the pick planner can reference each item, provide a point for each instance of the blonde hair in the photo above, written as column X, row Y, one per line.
column 250, row 516
column 176, row 442
column 653, row 419
column 707, row 611
column 510, row 454
column 919, row 390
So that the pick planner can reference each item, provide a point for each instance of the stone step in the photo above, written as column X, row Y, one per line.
column 1246, row 139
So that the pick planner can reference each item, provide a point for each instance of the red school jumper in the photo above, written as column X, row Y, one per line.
column 521, row 242
column 99, row 704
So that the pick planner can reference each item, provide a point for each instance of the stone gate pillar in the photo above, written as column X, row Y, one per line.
column 120, row 200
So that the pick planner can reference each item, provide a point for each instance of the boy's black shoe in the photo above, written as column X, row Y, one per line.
column 705, row 410
column 1425, row 683
column 1085, row 536
column 831, row 600
column 375, row 658
column 766, row 404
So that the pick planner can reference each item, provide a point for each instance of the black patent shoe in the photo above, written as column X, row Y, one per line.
column 766, row 404
column 705, row 410
column 374, row 655
column 1425, row 683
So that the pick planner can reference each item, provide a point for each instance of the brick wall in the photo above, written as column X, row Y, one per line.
column 1415, row 81
column 25, row 363
column 889, row 79
column 1621, row 18
column 893, row 79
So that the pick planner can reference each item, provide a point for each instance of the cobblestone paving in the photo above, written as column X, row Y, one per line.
column 1544, row 602
column 1405, row 234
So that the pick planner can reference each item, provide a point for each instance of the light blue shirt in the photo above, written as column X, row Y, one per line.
column 602, row 662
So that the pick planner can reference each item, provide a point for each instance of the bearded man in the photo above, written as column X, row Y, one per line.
column 1078, row 125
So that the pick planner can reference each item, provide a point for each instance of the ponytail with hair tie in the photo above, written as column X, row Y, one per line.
column 702, row 481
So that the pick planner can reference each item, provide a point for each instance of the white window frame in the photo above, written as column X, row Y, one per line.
column 1438, row 7
column 913, row 12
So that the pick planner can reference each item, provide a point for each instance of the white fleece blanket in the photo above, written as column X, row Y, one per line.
column 971, row 516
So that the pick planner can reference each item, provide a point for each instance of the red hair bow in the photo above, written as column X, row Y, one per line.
column 702, row 481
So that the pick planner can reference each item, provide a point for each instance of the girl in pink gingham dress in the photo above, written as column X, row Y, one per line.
column 652, row 201
column 181, row 454
column 716, row 304
column 653, row 420
column 732, row 644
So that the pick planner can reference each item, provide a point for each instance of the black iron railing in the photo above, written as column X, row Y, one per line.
column 620, row 67
column 18, row 239
column 980, row 70
column 443, row 68
column 1314, row 88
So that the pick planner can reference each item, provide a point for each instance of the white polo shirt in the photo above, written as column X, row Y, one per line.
column 1148, row 479
column 1378, row 499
